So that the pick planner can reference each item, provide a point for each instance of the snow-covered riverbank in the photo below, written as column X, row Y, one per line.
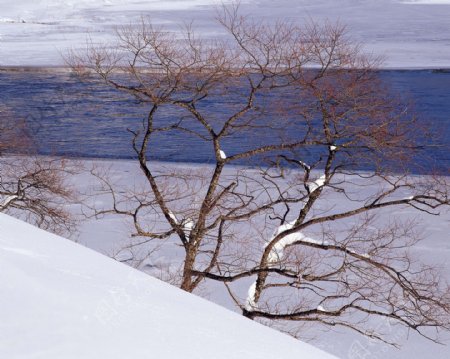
column 57, row 298
column 410, row 34
column 111, row 234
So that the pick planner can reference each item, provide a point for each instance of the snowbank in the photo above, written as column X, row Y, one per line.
column 61, row 300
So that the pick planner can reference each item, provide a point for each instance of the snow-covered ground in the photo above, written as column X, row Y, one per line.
column 61, row 300
column 409, row 33
column 58, row 299
column 110, row 233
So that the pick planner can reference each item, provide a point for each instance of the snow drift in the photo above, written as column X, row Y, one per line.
column 61, row 300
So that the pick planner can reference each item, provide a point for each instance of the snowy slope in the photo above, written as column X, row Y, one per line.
column 109, row 234
column 61, row 300
column 409, row 33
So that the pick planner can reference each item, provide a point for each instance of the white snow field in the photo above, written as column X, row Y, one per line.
column 408, row 33
column 111, row 233
column 59, row 299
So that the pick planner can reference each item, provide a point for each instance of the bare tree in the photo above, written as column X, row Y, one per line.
column 306, row 227
column 32, row 187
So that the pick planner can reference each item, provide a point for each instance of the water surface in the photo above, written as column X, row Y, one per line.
column 69, row 117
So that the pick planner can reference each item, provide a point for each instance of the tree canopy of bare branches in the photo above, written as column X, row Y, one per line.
column 32, row 187
column 302, row 229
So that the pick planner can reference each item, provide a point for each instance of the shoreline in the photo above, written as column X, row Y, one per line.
column 67, row 70
column 191, row 164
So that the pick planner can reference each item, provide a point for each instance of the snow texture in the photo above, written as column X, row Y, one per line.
column 173, row 217
column 108, row 234
column 313, row 186
column 426, row 2
column 7, row 201
column 365, row 255
column 222, row 155
column 187, row 224
column 305, row 165
column 408, row 33
column 187, row 227
column 250, row 302
column 61, row 300
column 276, row 255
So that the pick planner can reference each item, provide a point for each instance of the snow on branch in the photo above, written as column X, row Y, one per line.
column 186, row 224
column 304, row 165
column 250, row 302
column 7, row 201
column 173, row 217
column 277, row 252
column 313, row 186
column 276, row 255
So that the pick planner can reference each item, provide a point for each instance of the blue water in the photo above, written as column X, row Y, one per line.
column 69, row 117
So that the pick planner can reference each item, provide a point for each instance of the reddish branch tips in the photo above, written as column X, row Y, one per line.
column 302, row 228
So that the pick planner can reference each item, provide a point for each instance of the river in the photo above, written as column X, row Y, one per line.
column 73, row 118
